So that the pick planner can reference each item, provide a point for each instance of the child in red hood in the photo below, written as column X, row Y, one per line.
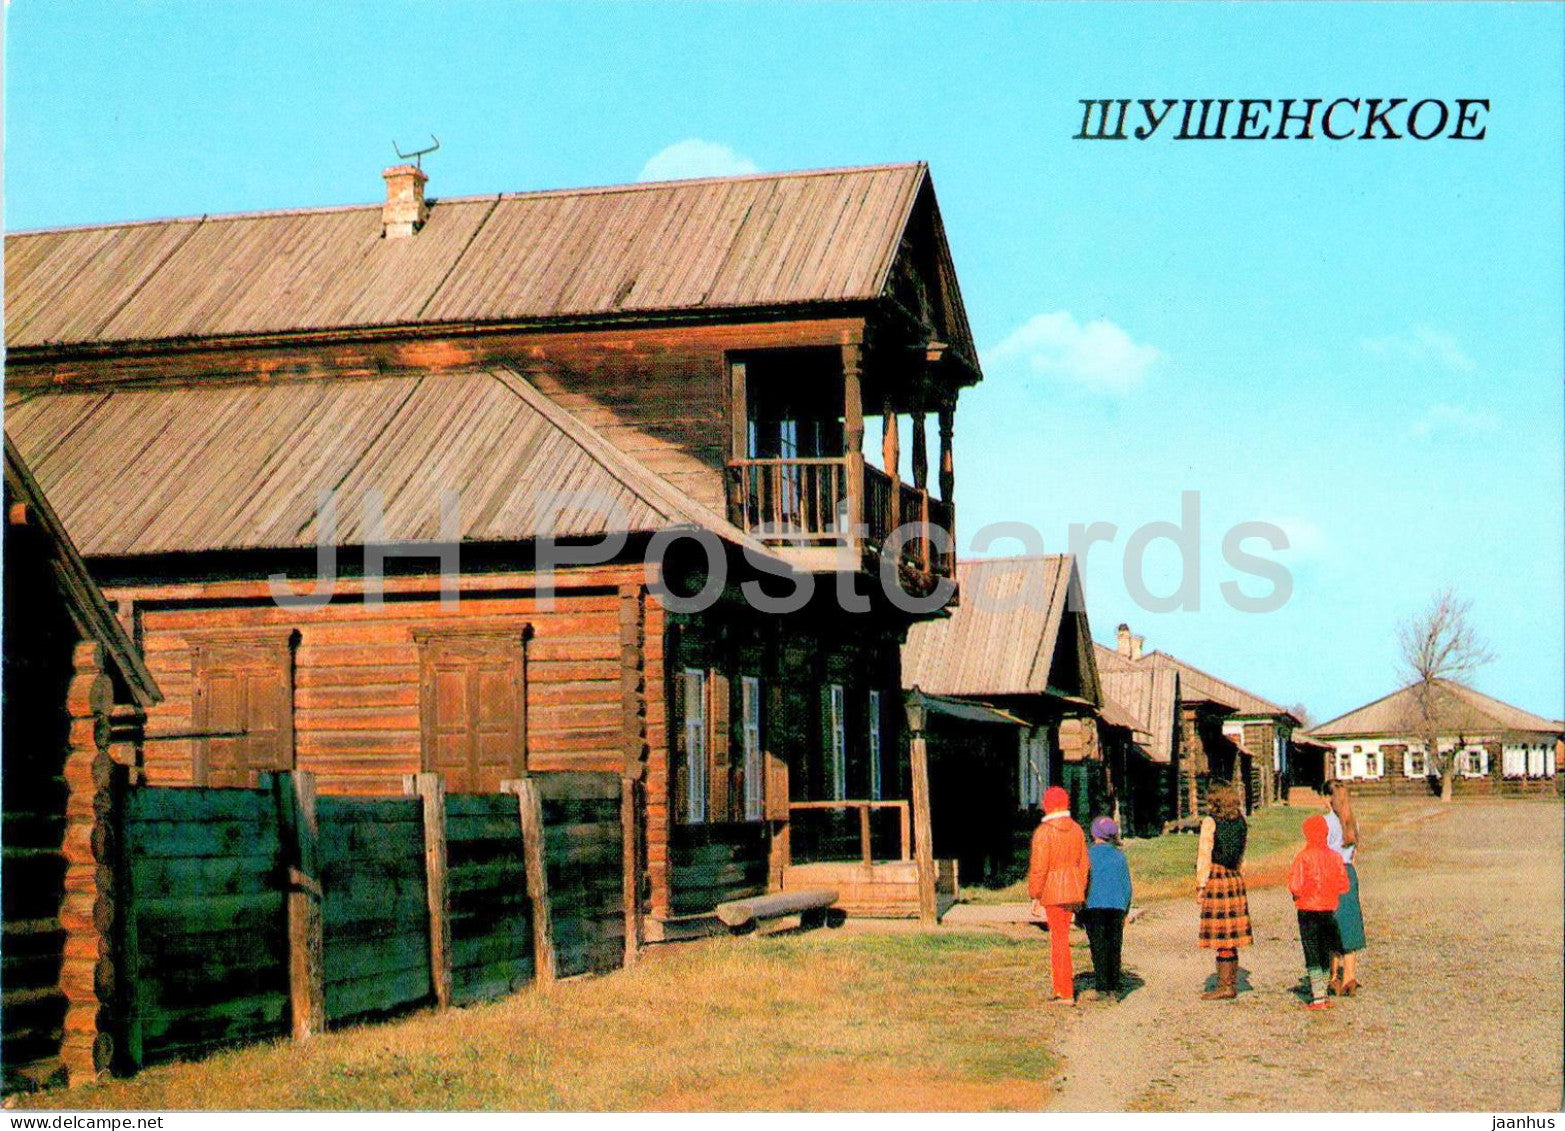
column 1057, row 882
column 1318, row 879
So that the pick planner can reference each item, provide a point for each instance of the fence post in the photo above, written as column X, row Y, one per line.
column 530, row 809
column 431, row 790
column 630, row 828
column 295, row 793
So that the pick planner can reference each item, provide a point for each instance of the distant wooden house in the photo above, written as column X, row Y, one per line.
column 1499, row 748
column 1226, row 733
column 76, row 693
column 1140, row 727
column 1016, row 699
column 549, row 385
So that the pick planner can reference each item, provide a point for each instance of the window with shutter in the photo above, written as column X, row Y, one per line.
column 837, row 766
column 473, row 705
column 876, row 770
column 695, row 768
column 754, row 771
column 242, row 704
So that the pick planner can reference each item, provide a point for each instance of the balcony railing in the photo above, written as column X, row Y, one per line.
column 808, row 502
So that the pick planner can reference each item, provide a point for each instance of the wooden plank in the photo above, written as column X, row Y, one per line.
column 530, row 811
column 630, row 866
column 151, row 803
column 296, row 801
column 380, row 993
column 923, row 846
column 127, row 940
column 430, row 788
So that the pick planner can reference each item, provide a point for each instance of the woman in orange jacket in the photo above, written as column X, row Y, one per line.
column 1057, row 882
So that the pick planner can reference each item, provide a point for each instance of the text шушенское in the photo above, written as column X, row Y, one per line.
column 1287, row 119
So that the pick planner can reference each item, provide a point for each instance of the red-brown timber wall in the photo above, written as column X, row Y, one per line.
column 356, row 673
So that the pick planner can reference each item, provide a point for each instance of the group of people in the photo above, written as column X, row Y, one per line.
column 1066, row 877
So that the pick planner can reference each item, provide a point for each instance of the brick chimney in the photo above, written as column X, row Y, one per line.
column 1127, row 645
column 405, row 210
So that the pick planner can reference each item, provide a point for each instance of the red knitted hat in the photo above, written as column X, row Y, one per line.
column 1055, row 800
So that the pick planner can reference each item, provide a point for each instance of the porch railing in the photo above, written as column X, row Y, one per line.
column 808, row 501
column 904, row 823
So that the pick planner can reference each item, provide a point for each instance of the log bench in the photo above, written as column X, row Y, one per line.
column 743, row 914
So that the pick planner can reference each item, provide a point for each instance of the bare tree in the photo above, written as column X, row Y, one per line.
column 1302, row 713
column 1439, row 646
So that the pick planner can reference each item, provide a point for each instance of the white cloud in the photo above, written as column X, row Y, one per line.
column 1096, row 354
column 1423, row 344
column 1454, row 418
column 696, row 158
column 1305, row 537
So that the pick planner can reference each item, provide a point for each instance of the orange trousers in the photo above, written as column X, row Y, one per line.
column 1059, row 920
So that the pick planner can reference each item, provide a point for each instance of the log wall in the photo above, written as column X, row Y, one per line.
column 356, row 678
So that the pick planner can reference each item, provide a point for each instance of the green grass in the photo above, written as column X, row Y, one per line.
column 822, row 1020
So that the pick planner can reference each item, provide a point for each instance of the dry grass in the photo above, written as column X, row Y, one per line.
column 826, row 1020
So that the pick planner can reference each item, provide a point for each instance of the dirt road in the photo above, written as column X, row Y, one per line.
column 1461, row 1007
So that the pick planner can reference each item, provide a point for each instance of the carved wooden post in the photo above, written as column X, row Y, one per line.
column 948, row 476
column 430, row 789
column 891, row 459
column 920, row 452
column 923, row 847
column 91, row 912
column 853, row 438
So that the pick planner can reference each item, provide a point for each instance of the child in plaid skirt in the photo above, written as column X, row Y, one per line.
column 1225, row 905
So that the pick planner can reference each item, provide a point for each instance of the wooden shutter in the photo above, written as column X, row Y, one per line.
column 242, row 704
column 473, row 705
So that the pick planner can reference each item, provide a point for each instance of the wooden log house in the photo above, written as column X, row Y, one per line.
column 76, row 694
column 1015, row 699
column 545, row 385
column 1498, row 748
column 1225, row 733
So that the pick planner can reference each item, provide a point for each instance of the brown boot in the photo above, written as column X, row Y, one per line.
column 1227, row 981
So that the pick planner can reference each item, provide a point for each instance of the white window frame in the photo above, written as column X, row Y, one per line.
column 750, row 734
column 1469, row 756
column 838, row 754
column 696, row 715
column 1513, row 761
column 1535, row 759
column 876, row 770
column 1413, row 763
column 1032, row 766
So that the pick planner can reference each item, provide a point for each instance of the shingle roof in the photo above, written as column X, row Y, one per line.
column 1459, row 708
column 738, row 242
column 235, row 467
column 1002, row 638
column 1193, row 682
column 1144, row 699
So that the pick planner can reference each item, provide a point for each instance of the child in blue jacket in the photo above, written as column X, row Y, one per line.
column 1108, row 899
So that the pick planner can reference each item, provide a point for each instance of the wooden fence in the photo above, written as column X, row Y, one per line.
column 248, row 914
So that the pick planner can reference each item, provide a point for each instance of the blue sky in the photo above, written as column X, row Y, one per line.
column 1359, row 341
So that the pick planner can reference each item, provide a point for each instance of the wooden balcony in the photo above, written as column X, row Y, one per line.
column 809, row 509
